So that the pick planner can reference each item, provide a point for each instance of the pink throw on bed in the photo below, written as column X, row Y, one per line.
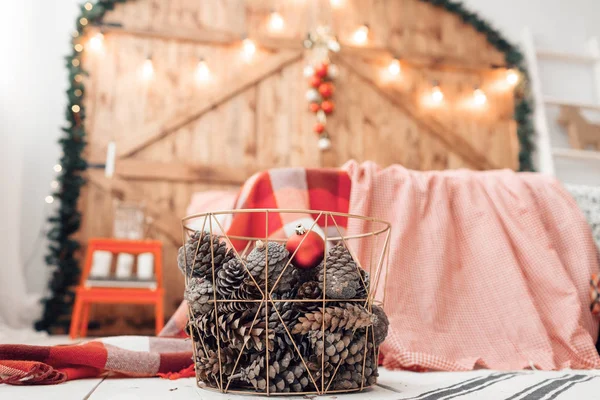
column 487, row 269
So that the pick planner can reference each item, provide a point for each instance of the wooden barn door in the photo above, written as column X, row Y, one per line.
column 175, row 137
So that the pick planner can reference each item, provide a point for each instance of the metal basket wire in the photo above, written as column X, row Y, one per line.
column 372, row 239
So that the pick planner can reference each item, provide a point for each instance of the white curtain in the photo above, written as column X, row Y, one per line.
column 18, row 308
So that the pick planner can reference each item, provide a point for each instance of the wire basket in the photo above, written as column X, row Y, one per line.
column 261, row 325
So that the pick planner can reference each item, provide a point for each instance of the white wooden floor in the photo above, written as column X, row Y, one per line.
column 392, row 385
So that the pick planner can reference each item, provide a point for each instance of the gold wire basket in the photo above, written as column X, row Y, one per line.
column 369, row 248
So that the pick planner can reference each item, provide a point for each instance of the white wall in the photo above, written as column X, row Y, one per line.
column 36, row 34
column 35, row 37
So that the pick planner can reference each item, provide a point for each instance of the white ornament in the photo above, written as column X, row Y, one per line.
column 333, row 71
column 309, row 71
column 312, row 95
column 333, row 45
column 321, row 117
column 324, row 143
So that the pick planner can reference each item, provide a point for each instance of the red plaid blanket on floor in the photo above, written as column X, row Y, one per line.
column 297, row 188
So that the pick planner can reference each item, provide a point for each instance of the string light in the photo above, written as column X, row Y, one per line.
column 249, row 48
column 512, row 77
column 88, row 6
column 276, row 22
column 96, row 42
column 78, row 78
column 394, row 67
column 54, row 184
column 83, row 21
column 57, row 168
column 479, row 97
column 78, row 47
column 148, row 69
column 436, row 96
column 78, row 92
column 49, row 199
column 75, row 108
column 361, row 35
column 202, row 71
column 75, row 62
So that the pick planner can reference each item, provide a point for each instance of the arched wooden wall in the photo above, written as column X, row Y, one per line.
column 174, row 137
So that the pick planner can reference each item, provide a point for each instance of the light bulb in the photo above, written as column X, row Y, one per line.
column 83, row 21
column 249, row 48
column 75, row 62
column 394, row 67
column 57, row 168
column 78, row 47
column 54, row 184
column 479, row 97
column 148, row 69
column 276, row 22
column 88, row 6
column 512, row 77
column 49, row 199
column 75, row 108
column 437, row 96
column 78, row 78
column 96, row 42
column 361, row 35
column 202, row 72
column 78, row 92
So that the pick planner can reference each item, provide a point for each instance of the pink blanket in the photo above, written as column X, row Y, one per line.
column 487, row 269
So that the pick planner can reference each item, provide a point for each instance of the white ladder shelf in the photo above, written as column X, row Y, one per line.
column 546, row 153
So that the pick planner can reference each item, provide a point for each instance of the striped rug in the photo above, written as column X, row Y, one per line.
column 491, row 385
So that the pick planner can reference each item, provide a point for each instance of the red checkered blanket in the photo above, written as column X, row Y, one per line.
column 487, row 269
column 297, row 188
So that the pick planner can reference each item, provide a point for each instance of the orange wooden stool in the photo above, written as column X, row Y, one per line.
column 86, row 294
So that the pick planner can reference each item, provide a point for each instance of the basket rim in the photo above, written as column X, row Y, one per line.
column 387, row 225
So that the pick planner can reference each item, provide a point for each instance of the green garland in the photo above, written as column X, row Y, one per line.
column 65, row 223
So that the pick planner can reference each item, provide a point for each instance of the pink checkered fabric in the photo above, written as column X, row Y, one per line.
column 487, row 269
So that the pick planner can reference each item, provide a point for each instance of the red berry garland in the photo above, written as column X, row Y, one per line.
column 320, row 79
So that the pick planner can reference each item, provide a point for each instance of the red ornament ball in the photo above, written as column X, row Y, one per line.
column 326, row 89
column 321, row 70
column 315, row 81
column 314, row 107
column 310, row 253
column 319, row 128
column 327, row 106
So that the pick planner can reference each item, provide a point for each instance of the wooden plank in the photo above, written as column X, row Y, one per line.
column 156, row 388
column 134, row 143
column 166, row 222
column 183, row 172
column 558, row 102
column 452, row 140
column 204, row 36
column 70, row 390
column 576, row 154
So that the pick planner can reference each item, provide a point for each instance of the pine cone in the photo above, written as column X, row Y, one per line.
column 278, row 258
column 343, row 276
column 196, row 260
column 381, row 325
column 283, row 376
column 207, row 365
column 350, row 375
column 230, row 278
column 336, row 345
column 309, row 291
column 199, row 295
column 351, row 317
